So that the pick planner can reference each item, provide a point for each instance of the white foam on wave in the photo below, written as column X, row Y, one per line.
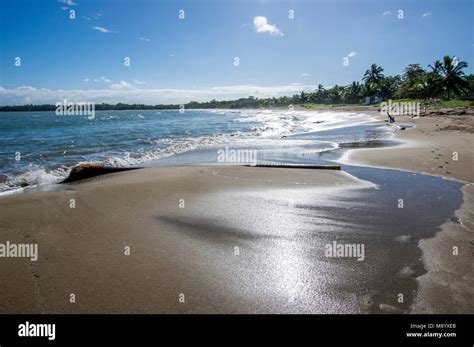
column 273, row 124
column 174, row 146
column 285, row 122
column 32, row 176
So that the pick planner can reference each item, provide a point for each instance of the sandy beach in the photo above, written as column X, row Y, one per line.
column 430, row 148
column 220, row 239
column 180, row 243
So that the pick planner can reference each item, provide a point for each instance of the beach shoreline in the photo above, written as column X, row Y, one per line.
column 126, row 209
column 430, row 147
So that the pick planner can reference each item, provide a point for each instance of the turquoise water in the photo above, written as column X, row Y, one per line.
column 39, row 148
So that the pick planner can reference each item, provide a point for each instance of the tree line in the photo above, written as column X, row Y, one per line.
column 441, row 80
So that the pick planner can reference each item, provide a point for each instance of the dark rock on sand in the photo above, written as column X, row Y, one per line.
column 84, row 171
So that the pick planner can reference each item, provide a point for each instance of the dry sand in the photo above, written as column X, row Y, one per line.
column 430, row 147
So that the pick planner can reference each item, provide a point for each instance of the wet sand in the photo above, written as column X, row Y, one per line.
column 173, row 250
column 231, row 239
column 448, row 286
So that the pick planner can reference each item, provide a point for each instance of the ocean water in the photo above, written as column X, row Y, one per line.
column 38, row 149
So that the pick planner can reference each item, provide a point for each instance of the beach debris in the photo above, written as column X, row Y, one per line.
column 298, row 166
column 88, row 170
column 456, row 220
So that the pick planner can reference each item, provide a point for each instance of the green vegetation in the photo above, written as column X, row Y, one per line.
column 435, row 86
column 457, row 103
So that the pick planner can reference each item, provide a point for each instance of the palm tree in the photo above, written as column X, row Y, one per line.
column 451, row 77
column 413, row 72
column 336, row 94
column 303, row 97
column 321, row 93
column 354, row 92
column 429, row 85
column 436, row 67
column 373, row 75
column 388, row 86
column 412, row 84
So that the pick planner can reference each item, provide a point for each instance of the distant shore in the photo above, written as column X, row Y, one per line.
column 429, row 107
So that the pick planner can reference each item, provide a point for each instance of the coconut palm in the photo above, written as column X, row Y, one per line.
column 388, row 86
column 368, row 90
column 321, row 93
column 451, row 77
column 413, row 72
column 412, row 84
column 354, row 91
column 373, row 75
column 304, row 97
column 336, row 93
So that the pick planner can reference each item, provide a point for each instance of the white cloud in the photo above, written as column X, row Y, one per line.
column 67, row 2
column 305, row 75
column 127, row 93
column 97, row 16
column 261, row 26
column 122, row 85
column 146, row 39
column 386, row 13
column 102, row 30
column 138, row 82
column 426, row 14
column 86, row 80
column 102, row 79
column 171, row 55
column 352, row 54
column 25, row 88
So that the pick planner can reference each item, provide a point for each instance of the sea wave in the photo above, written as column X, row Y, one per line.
column 271, row 125
column 35, row 175
column 32, row 176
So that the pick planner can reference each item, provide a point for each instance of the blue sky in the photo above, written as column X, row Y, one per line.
column 178, row 60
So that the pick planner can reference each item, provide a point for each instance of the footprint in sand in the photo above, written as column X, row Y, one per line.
column 406, row 271
column 366, row 301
